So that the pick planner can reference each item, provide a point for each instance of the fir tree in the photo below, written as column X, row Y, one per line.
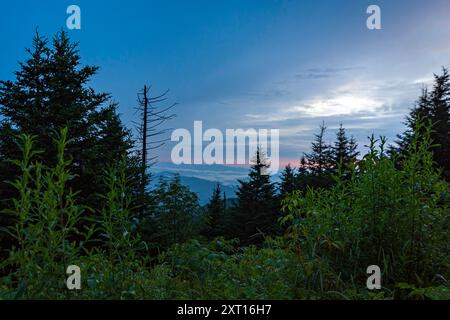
column 288, row 178
column 215, row 214
column 344, row 150
column 420, row 112
column 256, row 210
column 431, row 108
column 440, row 115
column 49, row 92
column 340, row 148
column 320, row 159
column 353, row 149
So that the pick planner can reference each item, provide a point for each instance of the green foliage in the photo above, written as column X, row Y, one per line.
column 434, row 107
column 48, row 236
column 174, row 216
column 46, row 215
column 395, row 218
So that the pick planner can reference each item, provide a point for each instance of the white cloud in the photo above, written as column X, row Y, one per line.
column 341, row 105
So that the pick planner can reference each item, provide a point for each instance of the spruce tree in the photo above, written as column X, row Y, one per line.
column 320, row 159
column 302, row 178
column 420, row 112
column 50, row 91
column 432, row 108
column 440, row 115
column 256, row 210
column 352, row 149
column 288, row 182
column 215, row 211
column 340, row 148
column 344, row 150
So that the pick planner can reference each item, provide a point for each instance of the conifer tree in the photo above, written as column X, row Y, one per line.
column 432, row 108
column 50, row 91
column 215, row 211
column 340, row 148
column 344, row 150
column 288, row 178
column 150, row 137
column 256, row 209
column 421, row 111
column 302, row 178
column 320, row 159
column 353, row 149
column 440, row 115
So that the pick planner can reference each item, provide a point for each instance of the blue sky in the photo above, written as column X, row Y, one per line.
column 286, row 65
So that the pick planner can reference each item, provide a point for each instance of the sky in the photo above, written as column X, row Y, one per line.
column 263, row 64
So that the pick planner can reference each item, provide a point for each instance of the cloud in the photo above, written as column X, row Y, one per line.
column 346, row 104
column 321, row 73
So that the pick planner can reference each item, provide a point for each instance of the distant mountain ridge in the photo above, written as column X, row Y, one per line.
column 202, row 179
column 203, row 188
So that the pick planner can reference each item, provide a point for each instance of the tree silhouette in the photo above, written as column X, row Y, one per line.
column 257, row 206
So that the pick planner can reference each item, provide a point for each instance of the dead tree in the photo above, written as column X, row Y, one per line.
column 151, row 135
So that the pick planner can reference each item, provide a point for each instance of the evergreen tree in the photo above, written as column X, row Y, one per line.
column 344, row 149
column 256, row 209
column 340, row 148
column 440, row 114
column 50, row 91
column 353, row 149
column 320, row 159
column 303, row 168
column 302, row 178
column 215, row 211
column 422, row 112
column 288, row 178
column 431, row 108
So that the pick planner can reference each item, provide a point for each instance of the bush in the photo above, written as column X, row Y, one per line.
column 396, row 218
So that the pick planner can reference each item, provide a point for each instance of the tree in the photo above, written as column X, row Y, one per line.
column 432, row 107
column 440, row 114
column 303, row 177
column 151, row 118
column 344, row 149
column 353, row 149
column 215, row 214
column 256, row 209
column 420, row 112
column 49, row 92
column 320, row 158
column 175, row 213
column 340, row 148
column 288, row 178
